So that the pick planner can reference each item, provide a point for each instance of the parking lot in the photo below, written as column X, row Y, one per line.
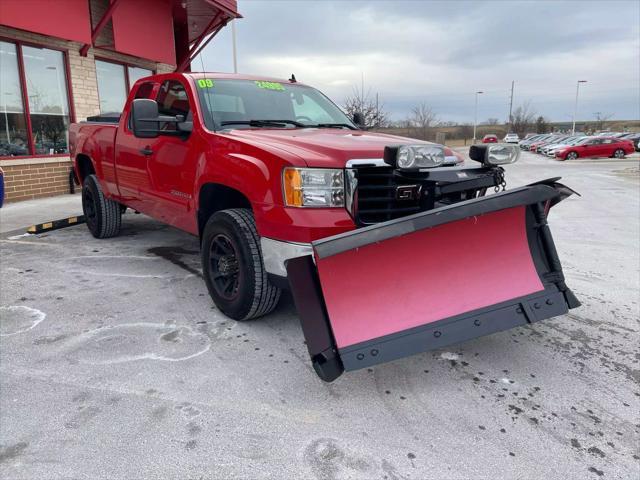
column 115, row 364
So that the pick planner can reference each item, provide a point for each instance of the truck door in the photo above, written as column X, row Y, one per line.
column 172, row 164
column 130, row 163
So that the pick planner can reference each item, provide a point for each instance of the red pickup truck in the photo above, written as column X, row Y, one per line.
column 387, row 250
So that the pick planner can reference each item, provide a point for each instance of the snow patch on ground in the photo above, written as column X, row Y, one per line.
column 22, row 235
column 16, row 319
column 449, row 356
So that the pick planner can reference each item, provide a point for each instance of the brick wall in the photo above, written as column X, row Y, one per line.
column 28, row 181
column 27, row 178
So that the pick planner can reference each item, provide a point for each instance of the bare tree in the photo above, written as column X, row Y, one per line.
column 423, row 118
column 371, row 108
column 464, row 131
column 542, row 126
column 601, row 119
column 523, row 118
column 491, row 121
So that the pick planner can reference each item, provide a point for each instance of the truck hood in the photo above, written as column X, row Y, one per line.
column 324, row 147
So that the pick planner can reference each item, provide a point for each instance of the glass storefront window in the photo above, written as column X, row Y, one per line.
column 14, row 140
column 48, row 99
column 112, row 86
column 136, row 73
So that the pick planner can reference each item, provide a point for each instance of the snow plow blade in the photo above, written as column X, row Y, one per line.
column 429, row 280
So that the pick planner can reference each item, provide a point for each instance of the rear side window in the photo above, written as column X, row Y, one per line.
column 173, row 100
column 144, row 91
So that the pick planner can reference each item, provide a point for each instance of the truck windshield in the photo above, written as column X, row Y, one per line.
column 249, row 104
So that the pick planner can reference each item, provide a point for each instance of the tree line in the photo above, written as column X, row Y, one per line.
column 423, row 122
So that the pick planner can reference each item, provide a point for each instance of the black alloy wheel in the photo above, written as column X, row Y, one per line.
column 103, row 215
column 225, row 271
column 233, row 267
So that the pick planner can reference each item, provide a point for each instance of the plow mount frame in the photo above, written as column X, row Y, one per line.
column 330, row 361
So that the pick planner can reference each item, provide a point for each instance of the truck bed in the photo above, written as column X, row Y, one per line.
column 96, row 140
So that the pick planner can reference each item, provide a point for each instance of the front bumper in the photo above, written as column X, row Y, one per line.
column 276, row 253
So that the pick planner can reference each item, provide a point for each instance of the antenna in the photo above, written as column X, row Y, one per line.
column 293, row 78
column 207, row 96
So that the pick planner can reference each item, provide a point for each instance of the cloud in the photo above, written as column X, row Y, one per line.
column 442, row 52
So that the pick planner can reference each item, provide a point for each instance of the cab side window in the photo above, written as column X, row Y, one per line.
column 144, row 91
column 173, row 100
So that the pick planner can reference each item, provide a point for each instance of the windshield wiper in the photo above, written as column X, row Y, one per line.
column 264, row 123
column 334, row 125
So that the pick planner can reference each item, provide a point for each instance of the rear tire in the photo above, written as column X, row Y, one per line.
column 619, row 153
column 103, row 216
column 233, row 268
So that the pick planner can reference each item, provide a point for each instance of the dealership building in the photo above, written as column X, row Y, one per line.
column 62, row 61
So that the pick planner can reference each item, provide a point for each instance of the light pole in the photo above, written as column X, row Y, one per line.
column 6, row 117
column 62, row 103
column 575, row 108
column 233, row 41
column 475, row 118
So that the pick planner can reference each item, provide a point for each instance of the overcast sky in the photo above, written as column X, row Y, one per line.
column 442, row 52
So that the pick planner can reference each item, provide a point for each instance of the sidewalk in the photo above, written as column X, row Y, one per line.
column 20, row 215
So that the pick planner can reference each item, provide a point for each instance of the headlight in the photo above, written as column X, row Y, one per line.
column 313, row 187
column 494, row 154
column 498, row 154
column 414, row 157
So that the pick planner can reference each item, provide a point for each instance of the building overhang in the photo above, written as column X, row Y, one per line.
column 166, row 31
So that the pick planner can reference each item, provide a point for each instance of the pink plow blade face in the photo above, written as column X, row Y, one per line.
column 427, row 275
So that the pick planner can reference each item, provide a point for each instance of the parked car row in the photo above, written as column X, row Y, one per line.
column 508, row 138
column 633, row 136
column 570, row 147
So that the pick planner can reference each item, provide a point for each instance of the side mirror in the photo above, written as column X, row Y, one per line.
column 358, row 119
column 144, row 118
column 185, row 127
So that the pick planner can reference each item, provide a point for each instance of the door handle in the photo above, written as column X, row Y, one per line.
column 146, row 151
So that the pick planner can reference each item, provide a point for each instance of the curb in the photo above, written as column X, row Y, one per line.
column 56, row 224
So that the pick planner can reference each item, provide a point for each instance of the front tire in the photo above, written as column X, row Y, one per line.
column 103, row 216
column 233, row 268
column 572, row 155
column 619, row 153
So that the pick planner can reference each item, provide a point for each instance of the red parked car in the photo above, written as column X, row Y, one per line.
column 597, row 147
column 490, row 139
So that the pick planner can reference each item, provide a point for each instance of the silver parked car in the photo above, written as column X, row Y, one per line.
column 511, row 138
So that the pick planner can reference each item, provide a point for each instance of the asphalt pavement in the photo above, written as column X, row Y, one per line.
column 115, row 364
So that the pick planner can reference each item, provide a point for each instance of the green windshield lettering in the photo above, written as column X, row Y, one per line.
column 270, row 85
column 205, row 83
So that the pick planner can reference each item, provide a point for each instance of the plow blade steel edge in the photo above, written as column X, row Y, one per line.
column 430, row 280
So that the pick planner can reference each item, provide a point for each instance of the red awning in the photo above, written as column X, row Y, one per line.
column 66, row 19
column 147, row 31
column 167, row 31
column 197, row 21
